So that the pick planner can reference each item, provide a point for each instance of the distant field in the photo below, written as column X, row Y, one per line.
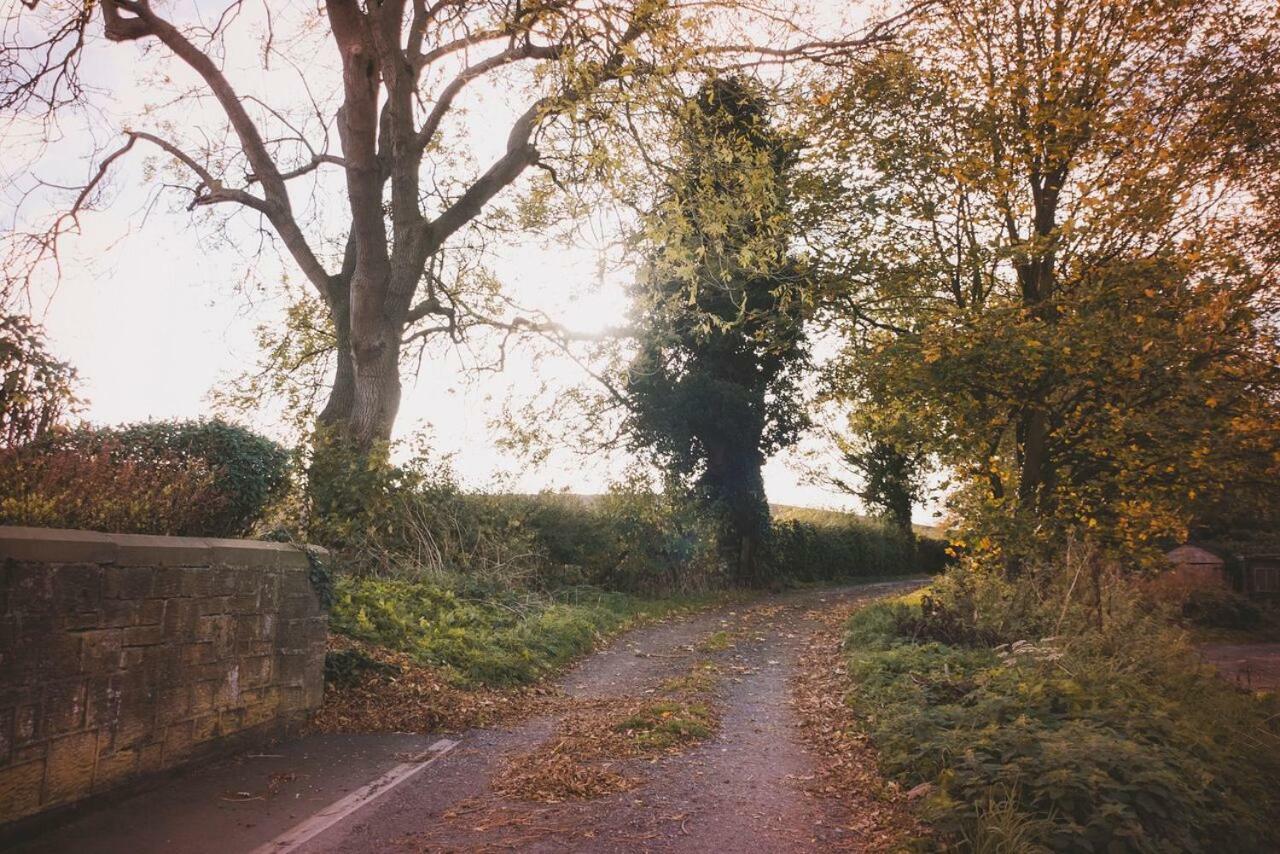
column 811, row 515
column 815, row 516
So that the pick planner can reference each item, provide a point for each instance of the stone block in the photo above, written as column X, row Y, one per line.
column 20, row 789
column 202, row 652
column 231, row 720
column 100, row 650
column 178, row 742
column 228, row 695
column 197, row 581
column 143, row 635
column 69, row 771
column 77, row 587
column 128, row 582
column 62, row 707
column 152, row 612
column 6, row 734
column 204, row 696
column 114, row 768
column 173, row 704
column 180, row 616
column 26, row 725
column 118, row 613
column 244, row 603
column 205, row 728
column 76, row 621
column 255, row 671
column 291, row 668
column 214, row 605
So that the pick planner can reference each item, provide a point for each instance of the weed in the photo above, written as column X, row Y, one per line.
column 667, row 723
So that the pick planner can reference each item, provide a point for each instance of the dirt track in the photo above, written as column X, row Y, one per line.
column 741, row 790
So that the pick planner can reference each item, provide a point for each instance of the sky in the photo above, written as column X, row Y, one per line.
column 153, row 310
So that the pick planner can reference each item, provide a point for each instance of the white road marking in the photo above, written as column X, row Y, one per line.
column 319, row 822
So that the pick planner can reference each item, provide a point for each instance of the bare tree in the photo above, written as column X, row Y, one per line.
column 399, row 67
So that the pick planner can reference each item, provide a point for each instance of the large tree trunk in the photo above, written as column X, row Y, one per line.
column 377, row 388
column 735, row 481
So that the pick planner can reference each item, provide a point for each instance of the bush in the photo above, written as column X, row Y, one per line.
column 98, row 491
column 1102, row 738
column 192, row 478
column 1219, row 608
column 808, row 551
column 415, row 523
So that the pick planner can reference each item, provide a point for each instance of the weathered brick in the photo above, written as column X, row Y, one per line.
column 136, row 721
column 228, row 695
column 204, row 696
column 244, row 603
column 248, row 580
column 77, row 587
column 69, row 774
column 211, row 605
column 20, row 789
column 79, row 620
column 291, row 669
column 26, row 725
column 6, row 734
column 199, row 582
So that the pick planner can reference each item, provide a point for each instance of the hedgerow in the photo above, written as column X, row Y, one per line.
column 196, row 478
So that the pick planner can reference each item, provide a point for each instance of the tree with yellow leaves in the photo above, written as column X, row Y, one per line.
column 1051, row 247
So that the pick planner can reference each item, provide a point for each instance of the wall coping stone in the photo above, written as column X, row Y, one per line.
column 64, row 545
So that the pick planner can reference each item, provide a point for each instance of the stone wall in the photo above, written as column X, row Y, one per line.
column 122, row 655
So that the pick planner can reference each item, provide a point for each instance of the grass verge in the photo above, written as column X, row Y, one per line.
column 500, row 639
column 1108, row 739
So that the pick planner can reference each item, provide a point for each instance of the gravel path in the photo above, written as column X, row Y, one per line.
column 741, row 790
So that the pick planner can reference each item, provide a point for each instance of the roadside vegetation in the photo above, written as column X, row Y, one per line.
column 1047, row 718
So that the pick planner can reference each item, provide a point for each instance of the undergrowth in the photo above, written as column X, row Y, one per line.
column 1048, row 720
column 498, row 638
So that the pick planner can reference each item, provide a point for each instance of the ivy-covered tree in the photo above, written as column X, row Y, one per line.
column 719, row 315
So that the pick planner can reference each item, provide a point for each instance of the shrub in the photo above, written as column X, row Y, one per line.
column 196, row 478
column 1104, row 738
column 1219, row 608
column 98, row 491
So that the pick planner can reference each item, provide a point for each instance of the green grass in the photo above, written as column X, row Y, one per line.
column 495, row 639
